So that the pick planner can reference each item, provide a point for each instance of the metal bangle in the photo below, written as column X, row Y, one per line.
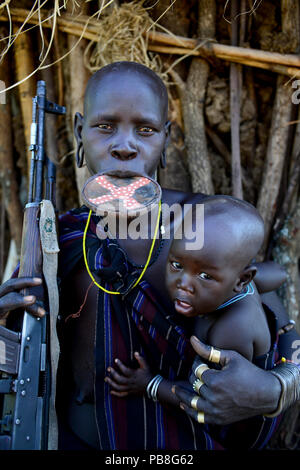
column 152, row 387
column 148, row 389
column 155, row 388
column 288, row 374
column 286, row 328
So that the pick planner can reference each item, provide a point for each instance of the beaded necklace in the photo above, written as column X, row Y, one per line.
column 249, row 291
column 144, row 267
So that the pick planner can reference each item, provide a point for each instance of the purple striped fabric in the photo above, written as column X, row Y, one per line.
column 137, row 321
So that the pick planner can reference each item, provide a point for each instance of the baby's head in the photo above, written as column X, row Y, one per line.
column 199, row 281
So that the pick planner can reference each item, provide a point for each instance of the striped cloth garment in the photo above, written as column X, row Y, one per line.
column 138, row 321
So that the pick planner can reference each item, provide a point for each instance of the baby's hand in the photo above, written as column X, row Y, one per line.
column 127, row 380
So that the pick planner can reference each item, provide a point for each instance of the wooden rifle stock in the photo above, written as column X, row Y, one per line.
column 28, row 398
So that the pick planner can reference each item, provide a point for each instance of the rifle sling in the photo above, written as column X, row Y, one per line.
column 50, row 251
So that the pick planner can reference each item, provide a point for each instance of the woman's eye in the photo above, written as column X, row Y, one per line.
column 146, row 130
column 205, row 276
column 175, row 265
column 105, row 127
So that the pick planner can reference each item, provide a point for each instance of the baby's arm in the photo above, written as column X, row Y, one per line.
column 241, row 327
column 270, row 276
column 125, row 380
column 232, row 332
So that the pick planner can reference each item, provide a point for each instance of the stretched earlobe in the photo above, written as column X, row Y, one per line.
column 163, row 160
column 78, row 123
column 79, row 155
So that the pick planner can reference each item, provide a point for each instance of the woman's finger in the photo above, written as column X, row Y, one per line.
column 209, row 353
column 14, row 300
column 18, row 283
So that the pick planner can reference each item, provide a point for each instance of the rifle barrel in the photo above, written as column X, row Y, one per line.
column 41, row 102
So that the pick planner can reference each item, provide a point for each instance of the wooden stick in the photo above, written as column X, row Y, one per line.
column 235, row 93
column 8, row 179
column 68, row 24
column 79, row 76
column 277, row 143
column 287, row 253
column 24, row 66
column 218, row 143
column 289, row 195
column 193, row 96
column 277, row 68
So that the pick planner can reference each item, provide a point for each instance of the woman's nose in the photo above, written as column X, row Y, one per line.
column 124, row 150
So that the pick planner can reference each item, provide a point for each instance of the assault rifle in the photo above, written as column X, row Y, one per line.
column 28, row 358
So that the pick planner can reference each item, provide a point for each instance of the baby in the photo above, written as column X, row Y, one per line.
column 213, row 287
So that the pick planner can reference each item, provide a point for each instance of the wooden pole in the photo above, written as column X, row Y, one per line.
column 79, row 76
column 278, row 138
column 287, row 253
column 24, row 66
column 175, row 175
column 173, row 44
column 8, row 179
column 235, row 96
column 193, row 97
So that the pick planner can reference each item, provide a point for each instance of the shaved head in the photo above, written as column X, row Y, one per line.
column 232, row 227
column 128, row 69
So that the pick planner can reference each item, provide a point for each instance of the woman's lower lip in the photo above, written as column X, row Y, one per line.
column 183, row 307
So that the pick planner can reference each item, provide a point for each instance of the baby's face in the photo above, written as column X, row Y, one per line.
column 124, row 126
column 198, row 281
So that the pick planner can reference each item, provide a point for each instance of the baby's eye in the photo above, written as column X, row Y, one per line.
column 175, row 265
column 205, row 276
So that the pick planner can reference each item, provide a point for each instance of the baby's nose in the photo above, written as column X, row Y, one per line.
column 185, row 283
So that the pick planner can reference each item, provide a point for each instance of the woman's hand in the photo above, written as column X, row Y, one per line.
column 12, row 299
column 125, row 380
column 237, row 391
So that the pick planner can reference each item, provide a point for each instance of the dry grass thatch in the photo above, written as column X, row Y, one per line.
column 121, row 36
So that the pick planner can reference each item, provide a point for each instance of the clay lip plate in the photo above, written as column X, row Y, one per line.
column 122, row 193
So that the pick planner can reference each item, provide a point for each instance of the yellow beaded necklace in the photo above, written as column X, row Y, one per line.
column 147, row 262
